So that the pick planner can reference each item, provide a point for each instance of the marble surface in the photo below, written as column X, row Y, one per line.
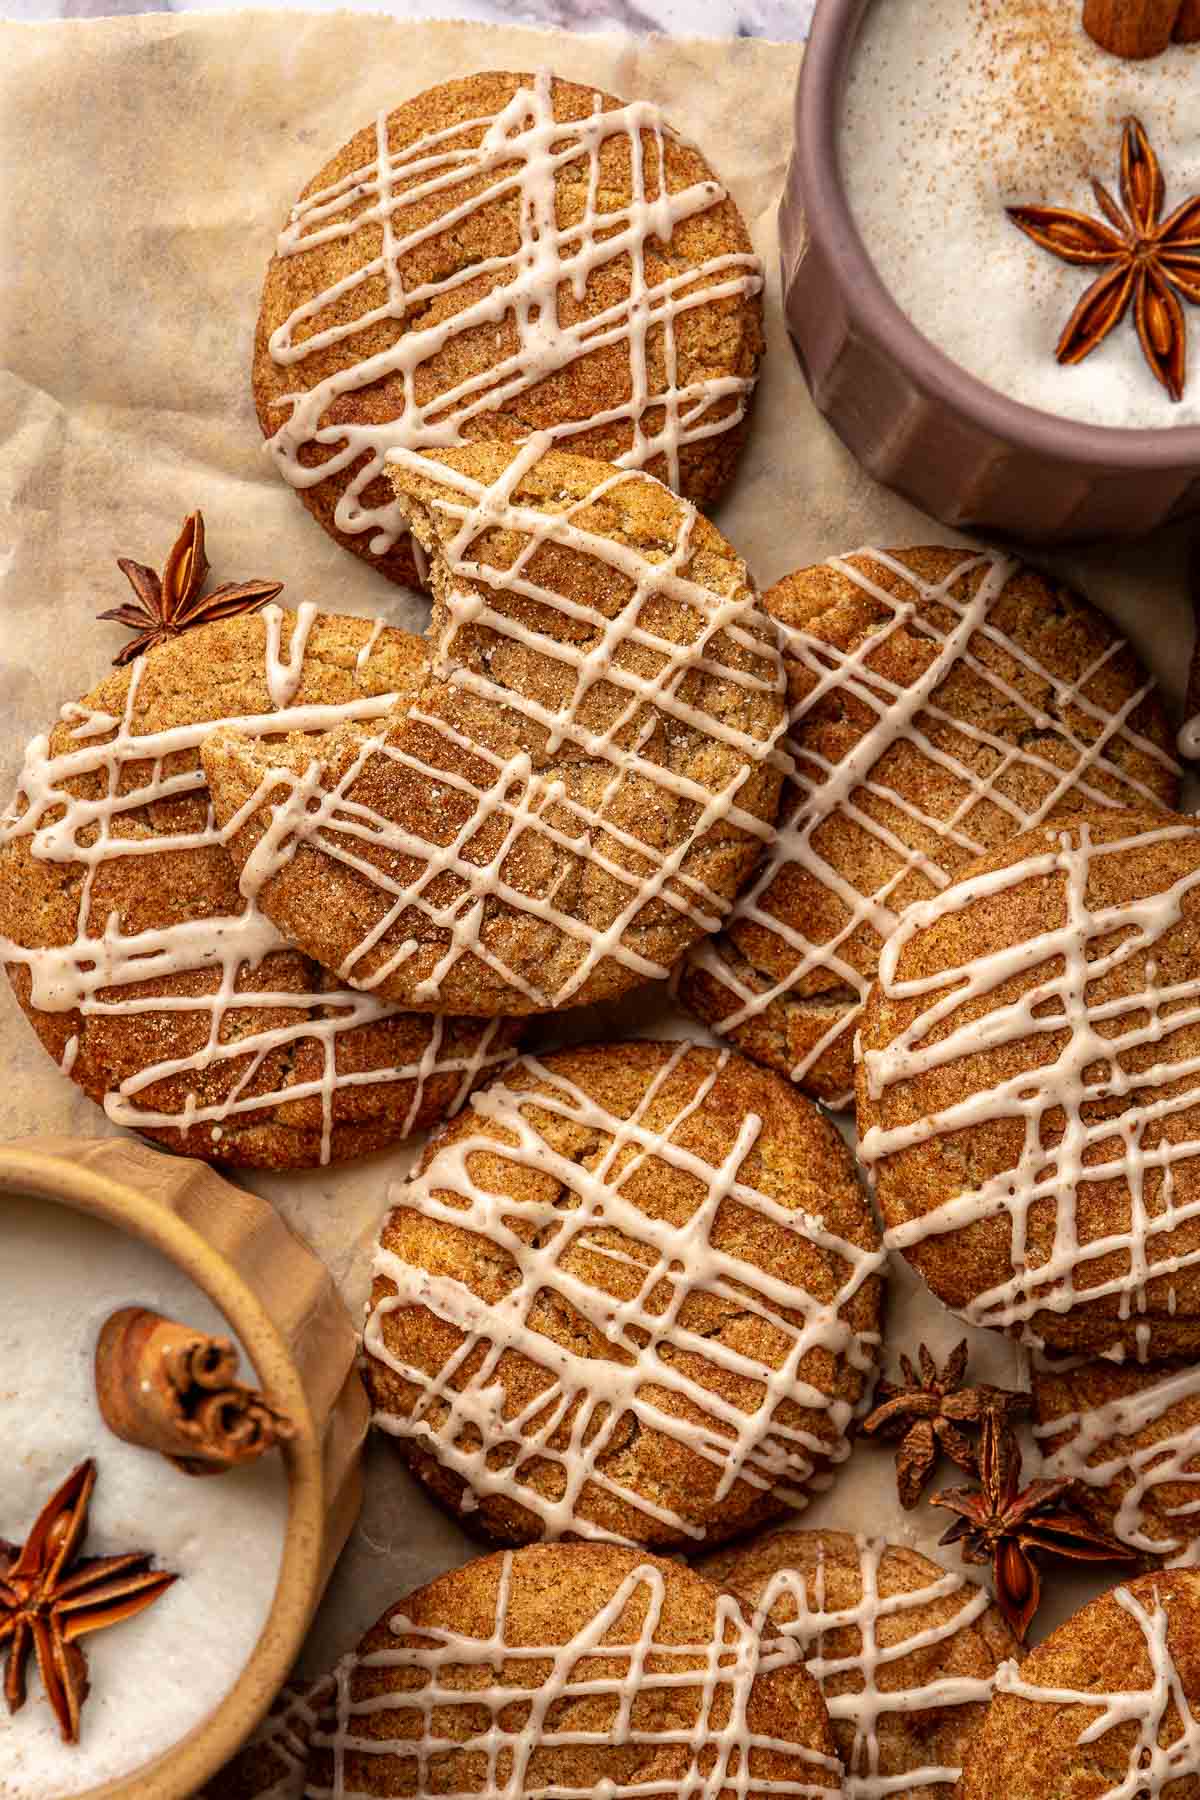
column 784, row 20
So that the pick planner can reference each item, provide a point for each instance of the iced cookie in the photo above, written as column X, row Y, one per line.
column 573, row 1669
column 1029, row 1086
column 905, row 1652
column 633, row 1291
column 942, row 701
column 502, row 255
column 576, row 794
column 174, row 1003
column 271, row 1765
column 1131, row 1436
column 1105, row 1707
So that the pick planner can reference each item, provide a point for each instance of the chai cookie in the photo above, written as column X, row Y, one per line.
column 1029, row 1087
column 942, row 701
column 581, row 788
column 506, row 254
column 633, row 1291
column 1104, row 1708
column 905, row 1652
column 172, row 1001
column 1130, row 1435
column 573, row 1669
column 271, row 1764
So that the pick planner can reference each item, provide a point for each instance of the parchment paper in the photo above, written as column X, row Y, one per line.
column 145, row 166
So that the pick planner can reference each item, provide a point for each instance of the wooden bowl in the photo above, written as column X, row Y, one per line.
column 281, row 1304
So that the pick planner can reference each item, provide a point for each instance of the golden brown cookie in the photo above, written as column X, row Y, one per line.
column 942, row 701
column 271, row 1764
column 1104, row 1708
column 905, row 1652
column 573, row 1669
column 1029, row 1086
column 579, row 790
column 462, row 270
column 633, row 1291
column 1130, row 1435
column 130, row 947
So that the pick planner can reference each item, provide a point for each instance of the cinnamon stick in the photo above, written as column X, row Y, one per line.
column 1132, row 28
column 171, row 1388
column 1187, row 25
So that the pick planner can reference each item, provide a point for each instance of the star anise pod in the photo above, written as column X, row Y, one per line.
column 1003, row 1523
column 1147, row 259
column 925, row 1412
column 50, row 1597
column 172, row 602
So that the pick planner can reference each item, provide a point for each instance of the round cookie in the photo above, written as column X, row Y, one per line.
column 942, row 701
column 130, row 947
column 1131, row 1437
column 632, row 1291
column 1104, row 1708
column 573, row 1669
column 271, row 1764
column 580, row 789
column 1029, row 1087
column 904, row 1651
column 463, row 270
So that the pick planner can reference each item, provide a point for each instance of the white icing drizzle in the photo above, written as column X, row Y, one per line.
column 520, row 794
column 284, row 1736
column 65, row 827
column 521, row 154
column 866, row 1703
column 1089, row 942
column 1173, row 1458
column 285, row 673
column 531, row 1721
column 1151, row 1767
column 589, row 1394
column 364, row 655
column 819, row 791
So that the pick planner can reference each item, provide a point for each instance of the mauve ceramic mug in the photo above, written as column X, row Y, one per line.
column 912, row 417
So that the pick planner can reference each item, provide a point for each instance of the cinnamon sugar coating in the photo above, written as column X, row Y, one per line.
column 460, row 270
column 581, row 786
column 633, row 1291
column 1130, row 1435
column 128, row 943
column 941, row 702
column 1028, row 1092
column 905, row 1652
column 578, row 1669
column 1104, row 1707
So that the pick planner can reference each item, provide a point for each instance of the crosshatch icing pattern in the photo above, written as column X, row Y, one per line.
column 493, row 1714
column 612, row 758
column 117, row 793
column 519, row 156
column 840, row 817
column 664, row 1357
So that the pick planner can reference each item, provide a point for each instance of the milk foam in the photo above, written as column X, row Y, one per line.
column 958, row 108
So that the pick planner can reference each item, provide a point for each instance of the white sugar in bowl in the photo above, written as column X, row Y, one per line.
column 91, row 1226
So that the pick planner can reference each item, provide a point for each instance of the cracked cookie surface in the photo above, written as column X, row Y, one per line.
column 1028, row 1092
column 148, row 977
column 941, row 702
column 634, row 1290
column 1105, row 1706
column 905, row 1651
column 572, row 1669
column 579, row 789
column 502, row 255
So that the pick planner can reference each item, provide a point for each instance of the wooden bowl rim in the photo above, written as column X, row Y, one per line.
column 181, row 1771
